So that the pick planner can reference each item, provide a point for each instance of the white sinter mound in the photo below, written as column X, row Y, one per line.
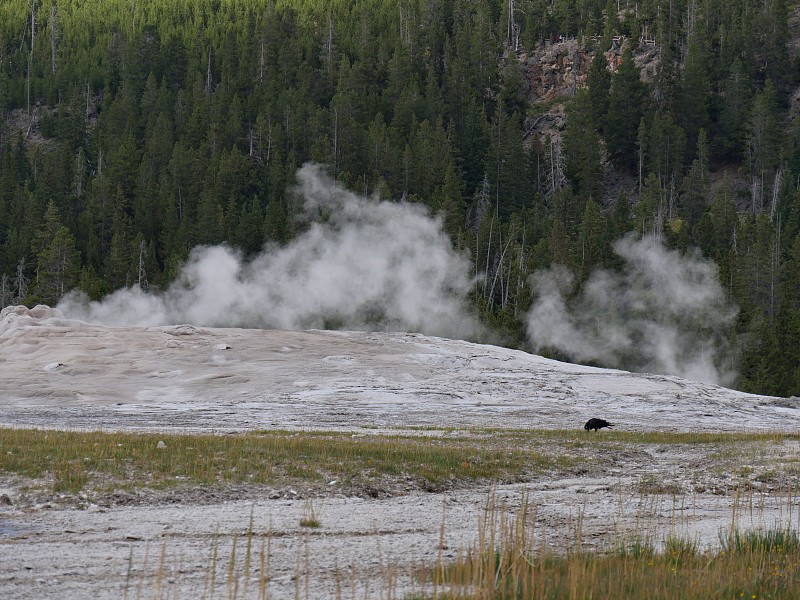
column 63, row 373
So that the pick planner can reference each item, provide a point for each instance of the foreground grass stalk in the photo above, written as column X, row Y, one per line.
column 248, row 556
column 211, row 578
column 263, row 571
column 505, row 564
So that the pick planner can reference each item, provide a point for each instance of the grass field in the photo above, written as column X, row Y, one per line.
column 508, row 559
column 435, row 459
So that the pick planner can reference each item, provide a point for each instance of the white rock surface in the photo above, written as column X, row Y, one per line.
column 67, row 374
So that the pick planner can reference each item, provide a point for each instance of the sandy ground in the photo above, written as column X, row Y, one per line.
column 61, row 374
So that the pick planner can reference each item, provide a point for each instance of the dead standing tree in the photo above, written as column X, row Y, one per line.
column 32, row 5
column 556, row 179
column 5, row 291
column 20, row 282
column 142, row 274
column 53, row 38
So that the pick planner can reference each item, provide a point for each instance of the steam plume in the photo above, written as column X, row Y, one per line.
column 361, row 263
column 664, row 313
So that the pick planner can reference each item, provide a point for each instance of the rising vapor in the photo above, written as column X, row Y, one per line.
column 663, row 313
column 361, row 263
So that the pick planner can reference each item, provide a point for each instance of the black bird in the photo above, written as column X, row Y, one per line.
column 595, row 424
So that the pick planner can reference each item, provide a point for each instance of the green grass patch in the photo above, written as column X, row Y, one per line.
column 311, row 515
column 654, row 484
column 73, row 461
column 431, row 459
column 606, row 436
column 764, row 541
column 545, row 106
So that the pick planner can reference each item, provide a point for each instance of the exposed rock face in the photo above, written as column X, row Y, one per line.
column 550, row 123
column 794, row 104
column 555, row 70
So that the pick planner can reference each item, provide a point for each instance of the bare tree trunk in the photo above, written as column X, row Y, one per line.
column 773, row 271
column 671, row 195
column 261, row 64
column 507, row 287
column 53, row 39
column 5, row 291
column 519, row 274
column 400, row 12
column 21, row 282
column 641, row 167
column 497, row 271
column 775, row 191
column 208, row 74
column 335, row 142
column 180, row 205
column 30, row 116
column 329, row 46
column 142, row 278
column 488, row 254
column 477, row 256
column 269, row 137
column 499, row 265
column 80, row 161
column 755, row 188
column 32, row 5
column 287, row 122
column 510, row 24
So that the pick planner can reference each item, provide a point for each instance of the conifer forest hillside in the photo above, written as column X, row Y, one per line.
column 539, row 131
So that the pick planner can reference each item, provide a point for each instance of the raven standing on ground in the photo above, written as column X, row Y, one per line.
column 595, row 424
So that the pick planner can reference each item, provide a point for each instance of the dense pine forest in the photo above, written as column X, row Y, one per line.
column 540, row 130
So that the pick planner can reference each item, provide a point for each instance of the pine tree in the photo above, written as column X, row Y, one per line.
column 650, row 211
column 666, row 84
column 620, row 222
column 560, row 245
column 507, row 164
column 118, row 264
column 764, row 141
column 666, row 148
column 513, row 87
column 694, row 197
column 598, row 82
column 592, row 246
column 626, row 105
column 787, row 324
column 581, row 145
column 58, row 267
column 736, row 100
column 695, row 87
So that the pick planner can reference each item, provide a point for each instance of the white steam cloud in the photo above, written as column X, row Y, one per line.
column 362, row 263
column 664, row 313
